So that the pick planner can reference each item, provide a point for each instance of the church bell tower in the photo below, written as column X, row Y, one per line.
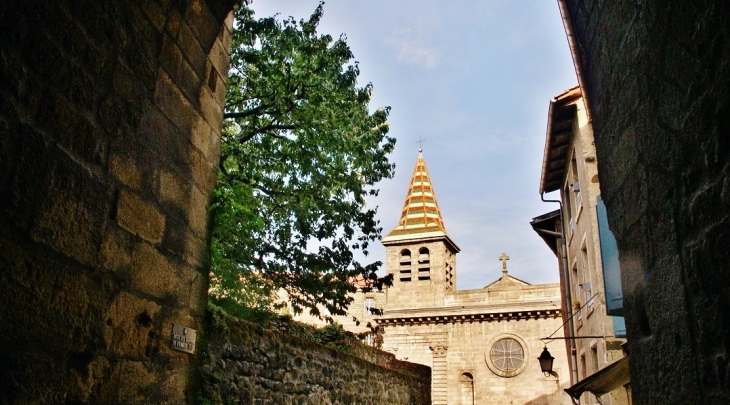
column 419, row 253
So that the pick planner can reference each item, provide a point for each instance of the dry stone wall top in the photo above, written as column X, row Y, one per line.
column 246, row 364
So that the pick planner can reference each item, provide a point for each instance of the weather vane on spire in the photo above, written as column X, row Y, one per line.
column 420, row 142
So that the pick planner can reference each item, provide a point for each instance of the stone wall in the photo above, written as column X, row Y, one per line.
column 249, row 365
column 416, row 293
column 357, row 318
column 466, row 349
column 657, row 78
column 110, row 114
column 456, row 341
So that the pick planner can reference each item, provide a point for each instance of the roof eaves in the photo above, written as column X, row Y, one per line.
column 559, row 105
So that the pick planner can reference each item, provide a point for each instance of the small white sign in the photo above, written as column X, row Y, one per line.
column 183, row 339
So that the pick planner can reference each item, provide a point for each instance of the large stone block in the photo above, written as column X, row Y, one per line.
column 128, row 323
column 206, row 139
column 156, row 13
column 191, row 48
column 203, row 22
column 211, row 106
column 153, row 273
column 173, row 188
column 195, row 250
column 126, row 170
column 71, row 217
column 219, row 59
column 127, row 86
column 140, row 217
column 135, row 383
column 116, row 249
column 197, row 211
column 173, row 103
column 203, row 171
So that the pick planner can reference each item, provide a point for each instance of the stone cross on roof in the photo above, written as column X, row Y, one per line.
column 504, row 259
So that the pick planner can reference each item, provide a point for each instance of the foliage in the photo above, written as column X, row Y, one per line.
column 332, row 335
column 256, row 314
column 300, row 151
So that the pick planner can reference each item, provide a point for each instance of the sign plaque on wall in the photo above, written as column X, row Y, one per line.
column 183, row 339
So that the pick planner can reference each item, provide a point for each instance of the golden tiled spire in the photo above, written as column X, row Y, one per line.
column 421, row 216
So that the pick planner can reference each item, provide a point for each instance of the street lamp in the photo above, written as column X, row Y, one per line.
column 546, row 362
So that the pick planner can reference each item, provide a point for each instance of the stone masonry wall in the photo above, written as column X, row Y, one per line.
column 357, row 318
column 246, row 364
column 110, row 115
column 468, row 346
column 420, row 293
column 657, row 77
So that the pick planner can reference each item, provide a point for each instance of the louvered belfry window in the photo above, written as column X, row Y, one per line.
column 405, row 265
column 424, row 264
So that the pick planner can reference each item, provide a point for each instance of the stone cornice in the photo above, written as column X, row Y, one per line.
column 469, row 308
column 424, row 319
column 424, row 238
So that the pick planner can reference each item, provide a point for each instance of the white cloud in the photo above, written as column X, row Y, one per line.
column 412, row 53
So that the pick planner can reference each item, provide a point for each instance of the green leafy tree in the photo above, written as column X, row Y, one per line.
column 300, row 152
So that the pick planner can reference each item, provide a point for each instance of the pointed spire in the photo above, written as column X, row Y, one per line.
column 421, row 216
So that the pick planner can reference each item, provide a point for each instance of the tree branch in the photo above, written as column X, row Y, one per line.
column 246, row 113
column 264, row 129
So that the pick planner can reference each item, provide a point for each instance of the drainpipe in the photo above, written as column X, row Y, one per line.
column 574, row 52
column 566, row 286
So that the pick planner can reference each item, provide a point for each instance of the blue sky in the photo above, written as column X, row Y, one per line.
column 474, row 79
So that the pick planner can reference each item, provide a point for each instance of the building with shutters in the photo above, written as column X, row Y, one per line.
column 579, row 236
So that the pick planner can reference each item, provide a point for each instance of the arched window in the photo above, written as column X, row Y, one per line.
column 466, row 389
column 405, row 265
column 424, row 264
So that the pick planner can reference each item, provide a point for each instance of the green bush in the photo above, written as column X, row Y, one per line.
column 332, row 335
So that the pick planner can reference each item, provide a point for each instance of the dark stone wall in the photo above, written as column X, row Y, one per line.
column 657, row 76
column 110, row 115
column 245, row 364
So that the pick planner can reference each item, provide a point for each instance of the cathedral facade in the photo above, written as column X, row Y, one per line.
column 482, row 344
